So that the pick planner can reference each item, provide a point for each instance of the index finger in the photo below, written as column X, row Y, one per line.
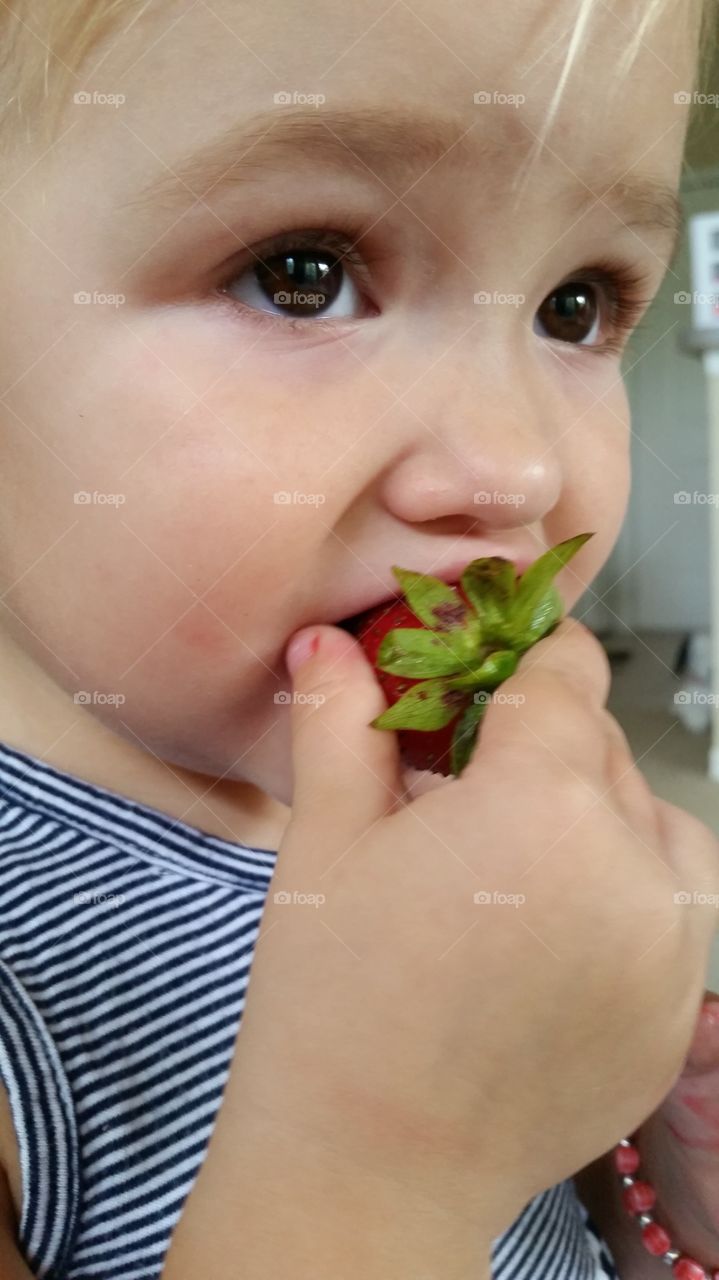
column 553, row 703
column 574, row 653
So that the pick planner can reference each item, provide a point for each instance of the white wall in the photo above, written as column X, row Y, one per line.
column 661, row 562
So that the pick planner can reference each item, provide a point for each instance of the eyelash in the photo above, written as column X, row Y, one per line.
column 627, row 288
column 629, row 293
column 338, row 241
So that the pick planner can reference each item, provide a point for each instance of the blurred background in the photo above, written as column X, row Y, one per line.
column 651, row 605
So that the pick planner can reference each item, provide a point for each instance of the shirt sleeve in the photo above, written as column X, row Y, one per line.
column 605, row 1266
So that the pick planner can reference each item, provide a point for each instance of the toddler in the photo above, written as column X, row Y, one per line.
column 294, row 293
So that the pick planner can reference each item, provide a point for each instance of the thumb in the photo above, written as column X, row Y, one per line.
column 346, row 774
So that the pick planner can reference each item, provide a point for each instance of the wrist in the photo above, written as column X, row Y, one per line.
column 395, row 1146
column 282, row 1179
column 280, row 1206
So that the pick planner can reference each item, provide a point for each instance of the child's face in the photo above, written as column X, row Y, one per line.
column 385, row 410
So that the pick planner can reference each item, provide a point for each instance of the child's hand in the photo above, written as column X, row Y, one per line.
column 483, row 1049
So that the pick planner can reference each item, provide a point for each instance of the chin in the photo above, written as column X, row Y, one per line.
column 268, row 764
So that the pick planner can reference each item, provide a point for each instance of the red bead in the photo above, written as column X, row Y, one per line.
column 639, row 1198
column 688, row 1269
column 656, row 1239
column 626, row 1159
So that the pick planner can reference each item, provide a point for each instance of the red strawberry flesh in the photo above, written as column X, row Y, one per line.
column 419, row 748
column 462, row 640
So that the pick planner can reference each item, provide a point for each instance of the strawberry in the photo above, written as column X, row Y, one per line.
column 438, row 678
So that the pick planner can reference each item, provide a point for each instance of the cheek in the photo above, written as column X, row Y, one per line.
column 597, row 477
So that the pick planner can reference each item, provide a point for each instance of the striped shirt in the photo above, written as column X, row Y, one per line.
column 126, row 940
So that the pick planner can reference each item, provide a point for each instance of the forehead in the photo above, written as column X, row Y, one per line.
column 483, row 75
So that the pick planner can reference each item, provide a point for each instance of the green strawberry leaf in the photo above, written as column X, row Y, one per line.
column 417, row 653
column 434, row 602
column 546, row 616
column 497, row 666
column 428, row 705
column 537, row 606
column 489, row 584
column 465, row 735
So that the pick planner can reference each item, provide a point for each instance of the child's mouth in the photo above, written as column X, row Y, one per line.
column 353, row 623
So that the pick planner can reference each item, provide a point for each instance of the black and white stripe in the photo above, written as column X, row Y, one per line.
column 119, row 1010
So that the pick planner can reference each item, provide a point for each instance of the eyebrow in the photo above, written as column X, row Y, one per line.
column 400, row 142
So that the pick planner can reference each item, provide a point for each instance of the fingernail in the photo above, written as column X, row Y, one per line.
column 302, row 646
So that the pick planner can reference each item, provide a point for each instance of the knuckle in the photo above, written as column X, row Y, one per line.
column 565, row 712
column 614, row 731
column 591, row 655
column 572, row 792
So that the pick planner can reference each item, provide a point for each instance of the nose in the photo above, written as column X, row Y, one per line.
column 476, row 455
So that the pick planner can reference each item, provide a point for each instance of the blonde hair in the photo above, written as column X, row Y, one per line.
column 47, row 42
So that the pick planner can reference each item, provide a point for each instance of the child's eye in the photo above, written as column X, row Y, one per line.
column 598, row 310
column 302, row 276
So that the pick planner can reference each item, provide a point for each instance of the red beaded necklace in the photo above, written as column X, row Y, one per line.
column 639, row 1198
